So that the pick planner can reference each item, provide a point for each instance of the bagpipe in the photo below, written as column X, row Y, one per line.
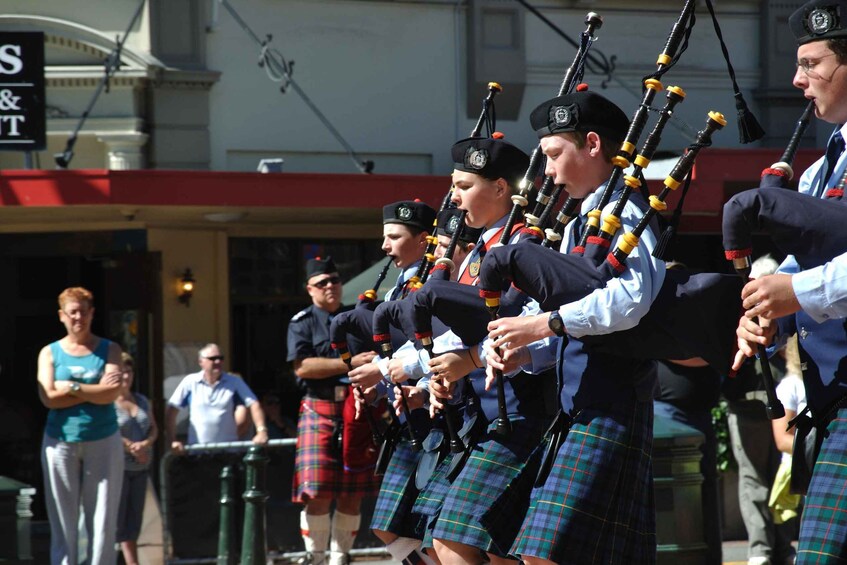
column 554, row 279
column 487, row 118
column 780, row 173
column 798, row 224
column 674, row 47
column 670, row 330
column 351, row 322
column 549, row 192
column 676, row 44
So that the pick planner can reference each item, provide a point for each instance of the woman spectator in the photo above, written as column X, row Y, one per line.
column 138, row 432
column 79, row 378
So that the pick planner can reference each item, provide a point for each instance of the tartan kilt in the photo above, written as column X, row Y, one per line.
column 318, row 469
column 493, row 467
column 597, row 504
column 393, row 508
column 823, row 526
column 430, row 499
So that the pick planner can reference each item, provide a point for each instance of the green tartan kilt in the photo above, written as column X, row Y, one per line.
column 493, row 468
column 393, row 509
column 823, row 526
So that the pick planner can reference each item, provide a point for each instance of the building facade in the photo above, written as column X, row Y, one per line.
column 163, row 171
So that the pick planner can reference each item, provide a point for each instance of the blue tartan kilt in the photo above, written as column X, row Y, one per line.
column 430, row 499
column 823, row 526
column 597, row 503
column 493, row 467
column 393, row 508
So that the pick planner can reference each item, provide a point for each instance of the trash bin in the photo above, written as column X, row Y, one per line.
column 15, row 519
column 678, row 483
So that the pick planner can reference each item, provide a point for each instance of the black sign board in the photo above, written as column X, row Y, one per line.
column 22, row 101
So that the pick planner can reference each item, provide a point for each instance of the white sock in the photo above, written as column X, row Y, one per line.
column 401, row 548
column 345, row 527
column 315, row 531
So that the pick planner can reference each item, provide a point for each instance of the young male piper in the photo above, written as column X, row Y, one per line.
column 406, row 227
column 596, row 505
column 485, row 176
column 320, row 477
column 812, row 302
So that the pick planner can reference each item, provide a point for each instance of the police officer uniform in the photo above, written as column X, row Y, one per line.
column 319, row 471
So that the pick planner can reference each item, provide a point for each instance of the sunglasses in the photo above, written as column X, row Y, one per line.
column 327, row 281
column 215, row 358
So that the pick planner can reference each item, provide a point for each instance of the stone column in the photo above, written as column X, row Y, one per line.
column 124, row 149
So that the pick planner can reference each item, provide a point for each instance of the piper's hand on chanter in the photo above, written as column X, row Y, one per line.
column 367, row 375
column 518, row 331
column 439, row 393
column 769, row 296
column 362, row 358
column 507, row 361
column 397, row 372
column 750, row 336
column 452, row 365
column 415, row 398
column 364, row 397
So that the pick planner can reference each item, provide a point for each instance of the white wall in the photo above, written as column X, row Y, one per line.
column 390, row 78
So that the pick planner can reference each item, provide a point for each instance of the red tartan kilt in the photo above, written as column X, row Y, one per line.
column 359, row 452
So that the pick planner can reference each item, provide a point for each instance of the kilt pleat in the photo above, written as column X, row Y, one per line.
column 597, row 504
column 318, row 469
column 494, row 466
column 430, row 499
column 823, row 526
column 393, row 509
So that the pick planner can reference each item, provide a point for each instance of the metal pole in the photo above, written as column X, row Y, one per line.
column 226, row 528
column 254, row 550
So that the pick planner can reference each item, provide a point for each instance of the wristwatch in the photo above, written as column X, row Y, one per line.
column 555, row 323
column 260, row 429
column 73, row 388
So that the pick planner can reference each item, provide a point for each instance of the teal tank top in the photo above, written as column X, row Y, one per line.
column 86, row 421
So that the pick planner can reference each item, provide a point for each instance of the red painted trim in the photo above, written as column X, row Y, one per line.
column 204, row 188
column 720, row 173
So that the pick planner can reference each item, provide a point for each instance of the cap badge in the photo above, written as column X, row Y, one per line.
column 403, row 213
column 452, row 225
column 476, row 158
column 562, row 117
column 820, row 21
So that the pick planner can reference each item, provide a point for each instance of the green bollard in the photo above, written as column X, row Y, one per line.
column 253, row 549
column 226, row 529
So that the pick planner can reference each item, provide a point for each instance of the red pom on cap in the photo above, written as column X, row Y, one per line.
column 582, row 87
column 498, row 135
column 417, row 199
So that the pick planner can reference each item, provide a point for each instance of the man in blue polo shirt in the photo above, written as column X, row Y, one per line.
column 211, row 396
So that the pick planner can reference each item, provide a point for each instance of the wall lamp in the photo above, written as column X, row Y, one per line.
column 186, row 287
